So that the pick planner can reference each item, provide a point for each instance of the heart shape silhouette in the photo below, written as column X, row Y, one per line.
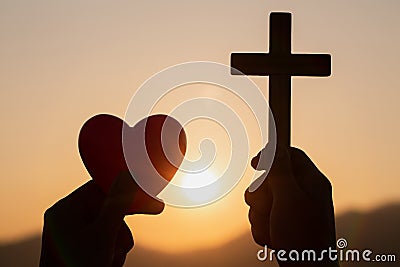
column 153, row 148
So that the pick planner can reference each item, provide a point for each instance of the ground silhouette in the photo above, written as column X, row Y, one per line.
column 377, row 230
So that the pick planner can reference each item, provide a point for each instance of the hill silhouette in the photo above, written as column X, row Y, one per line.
column 377, row 230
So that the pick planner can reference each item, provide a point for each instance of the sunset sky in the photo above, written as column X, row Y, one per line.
column 61, row 62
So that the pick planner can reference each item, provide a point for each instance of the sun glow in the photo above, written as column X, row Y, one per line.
column 196, row 180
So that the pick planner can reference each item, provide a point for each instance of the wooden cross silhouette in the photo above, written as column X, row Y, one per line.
column 280, row 64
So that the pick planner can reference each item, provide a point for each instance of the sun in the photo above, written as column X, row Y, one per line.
column 196, row 180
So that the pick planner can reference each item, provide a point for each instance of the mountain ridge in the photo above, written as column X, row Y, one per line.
column 376, row 230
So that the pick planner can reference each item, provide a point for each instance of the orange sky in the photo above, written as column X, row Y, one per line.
column 62, row 62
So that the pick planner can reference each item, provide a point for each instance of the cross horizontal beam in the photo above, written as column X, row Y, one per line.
column 263, row 64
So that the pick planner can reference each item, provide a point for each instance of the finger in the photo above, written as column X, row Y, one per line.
column 116, row 204
column 255, row 161
column 262, row 195
column 280, row 172
column 261, row 160
column 260, row 202
column 260, row 225
column 280, row 177
column 124, row 243
column 281, row 163
column 125, row 239
column 261, row 236
column 145, row 204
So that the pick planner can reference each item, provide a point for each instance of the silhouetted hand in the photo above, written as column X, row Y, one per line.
column 87, row 227
column 293, row 208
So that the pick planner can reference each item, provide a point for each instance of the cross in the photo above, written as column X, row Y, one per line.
column 280, row 64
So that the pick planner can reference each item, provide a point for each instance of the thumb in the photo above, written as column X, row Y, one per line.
column 116, row 204
column 281, row 177
column 281, row 165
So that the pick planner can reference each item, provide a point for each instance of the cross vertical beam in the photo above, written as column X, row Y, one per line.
column 280, row 44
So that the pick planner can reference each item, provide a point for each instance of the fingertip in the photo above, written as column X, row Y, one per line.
column 154, row 207
column 255, row 161
column 247, row 197
column 157, row 208
column 265, row 157
column 257, row 191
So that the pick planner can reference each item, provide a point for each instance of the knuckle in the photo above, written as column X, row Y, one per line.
column 247, row 197
column 260, row 236
column 251, row 216
column 257, row 217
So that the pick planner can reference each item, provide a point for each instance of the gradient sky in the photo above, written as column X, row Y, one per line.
column 62, row 62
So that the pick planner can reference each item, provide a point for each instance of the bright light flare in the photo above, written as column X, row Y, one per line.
column 196, row 180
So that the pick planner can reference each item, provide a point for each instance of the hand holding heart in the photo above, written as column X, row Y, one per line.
column 87, row 227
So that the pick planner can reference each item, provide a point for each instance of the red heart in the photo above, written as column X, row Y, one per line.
column 151, row 147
